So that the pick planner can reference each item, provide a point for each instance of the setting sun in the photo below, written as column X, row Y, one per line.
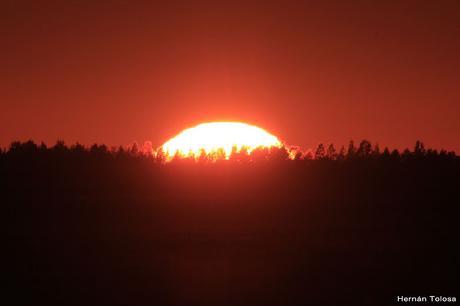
column 218, row 138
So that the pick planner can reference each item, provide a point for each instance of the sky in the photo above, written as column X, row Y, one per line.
column 309, row 72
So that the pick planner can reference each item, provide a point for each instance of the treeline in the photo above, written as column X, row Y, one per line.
column 114, row 226
column 365, row 150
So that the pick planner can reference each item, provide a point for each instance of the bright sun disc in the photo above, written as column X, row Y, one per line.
column 218, row 137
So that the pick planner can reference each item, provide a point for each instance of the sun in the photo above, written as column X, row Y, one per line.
column 218, row 139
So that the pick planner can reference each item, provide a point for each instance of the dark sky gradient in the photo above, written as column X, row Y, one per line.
column 115, row 72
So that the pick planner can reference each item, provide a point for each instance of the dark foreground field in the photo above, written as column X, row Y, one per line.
column 98, row 229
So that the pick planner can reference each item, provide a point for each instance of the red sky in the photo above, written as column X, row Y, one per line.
column 115, row 72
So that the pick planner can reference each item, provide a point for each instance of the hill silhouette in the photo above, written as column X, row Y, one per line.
column 349, row 226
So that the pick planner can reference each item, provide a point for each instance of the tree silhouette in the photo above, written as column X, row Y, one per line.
column 308, row 155
column 320, row 152
column 376, row 151
column 260, row 154
column 78, row 148
column 351, row 151
column 386, row 154
column 134, row 149
column 278, row 154
column 240, row 154
column 331, row 152
column 406, row 155
column 203, row 156
column 395, row 156
column 364, row 150
column 59, row 147
column 342, row 154
column 419, row 149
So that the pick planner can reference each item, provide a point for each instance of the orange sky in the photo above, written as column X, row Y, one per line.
column 115, row 72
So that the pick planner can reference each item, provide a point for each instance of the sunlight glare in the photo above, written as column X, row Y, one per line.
column 215, row 137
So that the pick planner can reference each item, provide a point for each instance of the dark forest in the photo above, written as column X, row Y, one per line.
column 357, row 225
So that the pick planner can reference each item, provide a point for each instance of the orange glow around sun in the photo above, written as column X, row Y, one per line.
column 218, row 138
